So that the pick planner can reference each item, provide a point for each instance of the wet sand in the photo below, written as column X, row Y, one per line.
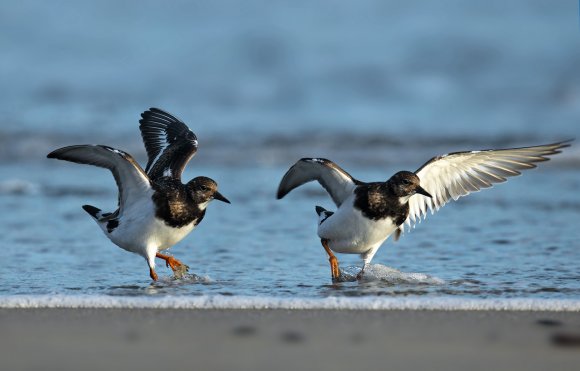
column 149, row 339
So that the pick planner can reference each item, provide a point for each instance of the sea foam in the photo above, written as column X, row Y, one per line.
column 247, row 302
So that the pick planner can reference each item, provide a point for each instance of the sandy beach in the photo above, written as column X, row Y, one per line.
column 149, row 339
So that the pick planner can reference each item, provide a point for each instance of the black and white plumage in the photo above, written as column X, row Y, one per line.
column 155, row 209
column 368, row 213
column 169, row 143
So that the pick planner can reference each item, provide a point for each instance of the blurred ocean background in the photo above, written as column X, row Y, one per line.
column 377, row 86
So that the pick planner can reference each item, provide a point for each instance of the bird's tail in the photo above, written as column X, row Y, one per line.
column 93, row 211
column 323, row 214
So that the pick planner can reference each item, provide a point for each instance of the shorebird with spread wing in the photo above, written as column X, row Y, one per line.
column 368, row 213
column 156, row 210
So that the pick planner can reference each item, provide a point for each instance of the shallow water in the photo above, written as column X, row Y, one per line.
column 375, row 86
column 507, row 242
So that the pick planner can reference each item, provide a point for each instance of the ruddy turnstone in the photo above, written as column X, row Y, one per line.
column 155, row 210
column 368, row 213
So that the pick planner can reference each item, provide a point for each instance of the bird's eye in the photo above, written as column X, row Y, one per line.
column 204, row 188
column 406, row 182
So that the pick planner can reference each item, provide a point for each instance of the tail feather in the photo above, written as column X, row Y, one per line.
column 323, row 214
column 93, row 211
column 320, row 210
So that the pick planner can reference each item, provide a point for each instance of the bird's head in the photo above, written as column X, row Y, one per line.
column 203, row 190
column 405, row 184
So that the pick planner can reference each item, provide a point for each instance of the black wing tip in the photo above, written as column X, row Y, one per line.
column 281, row 193
column 59, row 152
column 145, row 115
column 564, row 143
column 160, row 120
column 557, row 146
column 153, row 110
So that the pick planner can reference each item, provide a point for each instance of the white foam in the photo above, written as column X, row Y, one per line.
column 379, row 272
column 245, row 302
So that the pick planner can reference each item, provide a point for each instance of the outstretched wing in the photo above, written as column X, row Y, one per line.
column 169, row 143
column 337, row 182
column 458, row 174
column 129, row 176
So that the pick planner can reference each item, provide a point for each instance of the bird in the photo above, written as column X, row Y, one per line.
column 155, row 209
column 368, row 213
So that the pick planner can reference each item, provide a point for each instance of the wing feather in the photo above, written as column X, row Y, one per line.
column 129, row 176
column 338, row 183
column 458, row 174
column 168, row 141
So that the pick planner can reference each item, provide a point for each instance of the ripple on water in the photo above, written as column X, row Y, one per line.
column 269, row 248
column 17, row 187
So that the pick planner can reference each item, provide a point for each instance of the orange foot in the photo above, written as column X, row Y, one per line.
column 334, row 269
column 171, row 262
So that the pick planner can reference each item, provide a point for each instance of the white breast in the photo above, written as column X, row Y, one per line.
column 349, row 232
column 139, row 230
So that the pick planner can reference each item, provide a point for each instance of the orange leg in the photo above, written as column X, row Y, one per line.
column 334, row 269
column 170, row 261
column 152, row 274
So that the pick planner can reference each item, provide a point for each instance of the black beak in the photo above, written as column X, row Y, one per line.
column 422, row 191
column 218, row 196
